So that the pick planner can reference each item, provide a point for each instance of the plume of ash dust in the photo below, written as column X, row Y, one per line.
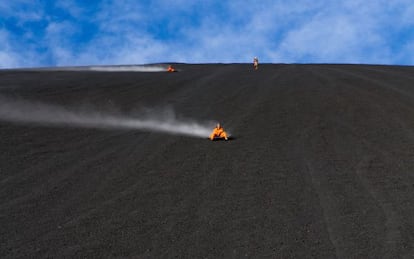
column 120, row 68
column 128, row 68
column 19, row 111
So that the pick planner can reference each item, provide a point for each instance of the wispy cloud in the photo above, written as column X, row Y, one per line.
column 72, row 32
column 8, row 58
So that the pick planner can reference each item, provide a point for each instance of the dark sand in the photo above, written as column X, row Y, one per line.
column 321, row 165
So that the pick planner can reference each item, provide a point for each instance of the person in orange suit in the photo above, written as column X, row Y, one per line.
column 218, row 132
column 170, row 69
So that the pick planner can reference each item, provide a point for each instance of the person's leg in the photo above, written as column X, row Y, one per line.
column 223, row 135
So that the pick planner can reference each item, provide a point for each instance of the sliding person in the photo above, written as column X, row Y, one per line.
column 218, row 132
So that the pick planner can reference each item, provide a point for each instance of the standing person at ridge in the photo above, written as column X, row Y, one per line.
column 256, row 63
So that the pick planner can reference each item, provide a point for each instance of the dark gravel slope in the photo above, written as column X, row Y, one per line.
column 321, row 165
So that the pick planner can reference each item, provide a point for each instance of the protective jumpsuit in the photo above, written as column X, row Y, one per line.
column 170, row 69
column 218, row 132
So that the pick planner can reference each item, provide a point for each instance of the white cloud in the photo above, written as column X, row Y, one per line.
column 71, row 7
column 407, row 16
column 351, row 33
column 58, row 41
column 405, row 54
column 329, row 39
column 22, row 10
column 115, row 16
column 8, row 58
column 133, row 50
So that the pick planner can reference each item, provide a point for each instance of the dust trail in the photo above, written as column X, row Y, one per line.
column 120, row 68
column 128, row 68
column 19, row 111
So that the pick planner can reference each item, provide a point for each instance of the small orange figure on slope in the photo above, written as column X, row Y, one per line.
column 170, row 69
column 218, row 132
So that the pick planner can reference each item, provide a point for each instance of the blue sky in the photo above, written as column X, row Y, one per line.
column 37, row 33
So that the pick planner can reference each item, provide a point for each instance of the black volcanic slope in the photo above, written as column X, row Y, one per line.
column 322, row 165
